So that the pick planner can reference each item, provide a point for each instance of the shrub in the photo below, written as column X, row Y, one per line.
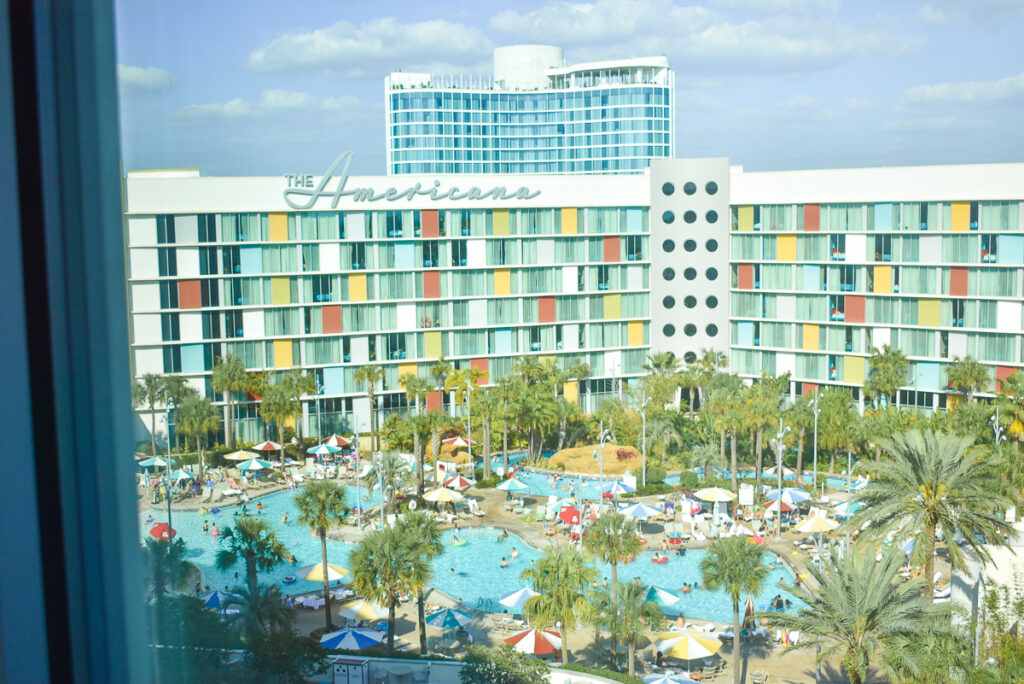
column 689, row 480
column 503, row 665
column 655, row 474
column 607, row 674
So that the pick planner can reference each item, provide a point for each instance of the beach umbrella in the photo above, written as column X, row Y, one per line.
column 640, row 510
column 443, row 495
column 687, row 645
column 661, row 595
column 315, row 572
column 160, row 531
column 535, row 641
column 361, row 609
column 615, row 488
column 756, row 539
column 439, row 598
column 739, row 529
column 777, row 506
column 665, row 678
column 514, row 600
column 816, row 524
column 748, row 612
column 180, row 475
column 714, row 494
column 457, row 442
column 449, row 619
column 337, row 440
column 323, row 450
column 908, row 546
column 253, row 465
column 241, row 456
column 268, row 446
column 156, row 462
column 511, row 485
column 570, row 515
column 458, row 482
column 217, row 599
column 774, row 471
column 789, row 495
column 847, row 508
column 351, row 639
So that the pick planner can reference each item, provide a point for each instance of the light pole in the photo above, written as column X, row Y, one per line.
column 817, row 412
column 359, row 502
column 643, row 441
column 319, row 423
column 168, row 403
column 779, row 448
column 997, row 428
column 469, row 426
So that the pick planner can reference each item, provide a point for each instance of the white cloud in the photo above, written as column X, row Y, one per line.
column 375, row 48
column 275, row 102
column 931, row 123
column 698, row 39
column 967, row 91
column 781, row 6
column 857, row 104
column 799, row 102
column 695, row 100
column 932, row 15
column 144, row 79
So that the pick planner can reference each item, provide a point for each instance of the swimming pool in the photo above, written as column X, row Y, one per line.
column 478, row 578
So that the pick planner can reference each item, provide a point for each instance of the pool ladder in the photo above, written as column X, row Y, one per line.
column 485, row 604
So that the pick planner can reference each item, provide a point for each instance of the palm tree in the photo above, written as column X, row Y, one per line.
column 260, row 610
column 166, row 567
column 393, row 472
column 734, row 566
column 371, row 375
column 664, row 364
column 425, row 537
column 662, row 434
column 321, row 503
column 935, row 480
column 800, row 417
column 535, row 413
column 762, row 410
column 689, row 380
column 177, row 389
column 613, row 539
column 253, row 541
column 835, row 423
column 707, row 455
column 464, row 384
column 385, row 566
column 439, row 370
column 198, row 417
column 857, row 611
column 561, row 575
column 506, row 388
column 939, row 650
column 626, row 613
column 296, row 385
column 422, row 427
column 711, row 361
column 662, row 379
column 888, row 373
column 967, row 376
column 148, row 392
column 487, row 406
column 416, row 390
column 1011, row 405
column 279, row 406
column 229, row 376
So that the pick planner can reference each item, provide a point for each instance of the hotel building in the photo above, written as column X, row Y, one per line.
column 537, row 115
column 801, row 272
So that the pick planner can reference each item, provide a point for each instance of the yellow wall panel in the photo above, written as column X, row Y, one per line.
column 961, row 216
column 786, row 248
column 612, row 306
column 928, row 312
column 571, row 391
column 432, row 345
column 636, row 334
column 746, row 218
column 853, row 370
column 357, row 287
column 280, row 291
column 500, row 221
column 406, row 368
column 811, row 336
column 502, row 281
column 279, row 227
column 883, row 279
column 547, row 358
column 569, row 221
column 283, row 354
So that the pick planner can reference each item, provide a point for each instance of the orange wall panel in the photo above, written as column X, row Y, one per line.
column 431, row 284
column 428, row 223
column 958, row 282
column 189, row 294
column 854, row 309
column 545, row 309
column 745, row 276
column 330, row 317
column 611, row 249
column 812, row 217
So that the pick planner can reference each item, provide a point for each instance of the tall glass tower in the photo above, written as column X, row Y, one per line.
column 537, row 115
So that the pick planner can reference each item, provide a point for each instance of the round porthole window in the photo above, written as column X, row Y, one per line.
column 690, row 357
column 712, row 302
column 668, row 274
column 668, row 217
column 668, row 189
column 690, row 245
column 711, row 216
column 711, row 245
column 711, row 273
column 690, row 301
column 668, row 245
column 690, row 188
column 690, row 273
column 711, row 330
column 668, row 302
column 669, row 330
column 711, row 187
column 690, row 330
column 690, row 216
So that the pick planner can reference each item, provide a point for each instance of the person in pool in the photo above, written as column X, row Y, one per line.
column 503, row 535
column 514, row 553
column 504, row 563
column 206, row 527
column 455, row 539
column 686, row 588
column 284, row 519
column 149, row 519
column 782, row 581
column 213, row 531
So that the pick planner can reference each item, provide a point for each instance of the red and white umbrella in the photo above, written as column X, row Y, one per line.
column 458, row 441
column 570, row 515
column 458, row 482
column 268, row 446
column 774, row 506
column 336, row 440
column 160, row 531
column 536, row 641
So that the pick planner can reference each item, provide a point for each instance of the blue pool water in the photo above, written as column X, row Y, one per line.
column 478, row 578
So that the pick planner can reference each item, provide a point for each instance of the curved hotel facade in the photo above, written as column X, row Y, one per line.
column 801, row 272
column 537, row 115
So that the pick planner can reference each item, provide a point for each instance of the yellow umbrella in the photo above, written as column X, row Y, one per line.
column 361, row 609
column 714, row 494
column 241, row 456
column 315, row 572
column 816, row 524
column 687, row 645
column 443, row 495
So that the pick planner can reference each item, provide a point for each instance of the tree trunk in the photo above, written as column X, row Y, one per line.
column 504, row 441
column 562, row 421
column 760, row 457
column 831, row 462
column 737, row 667
column 374, row 438
column 615, row 618
column 391, row 626
column 691, row 404
column 199, row 452
column 327, row 584
column 250, row 573
column 565, row 645
column 419, row 459
column 486, row 426
column 631, row 668
column 878, row 453
column 229, row 423
column 721, row 446
column 421, row 620
column 929, row 562
column 800, row 457
column 152, row 430
column 735, row 463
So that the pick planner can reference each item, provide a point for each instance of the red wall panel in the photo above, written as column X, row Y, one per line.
column 808, row 388
column 546, row 310
column 428, row 223
column 958, row 282
column 431, row 284
column 812, row 217
column 433, row 402
column 330, row 317
column 189, row 294
column 1003, row 372
column 854, row 309
column 745, row 273
column 611, row 249
column 480, row 365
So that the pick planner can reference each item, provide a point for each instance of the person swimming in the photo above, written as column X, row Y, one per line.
column 503, row 535
column 213, row 531
column 284, row 519
column 149, row 519
column 206, row 527
column 455, row 540
column 686, row 588
column 504, row 563
column 514, row 553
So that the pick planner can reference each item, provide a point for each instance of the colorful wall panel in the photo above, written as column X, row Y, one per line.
column 545, row 309
column 330, row 319
column 883, row 279
column 429, row 223
column 357, row 287
column 502, row 281
column 812, row 218
column 635, row 336
column 812, row 334
column 961, row 216
column 853, row 370
column 280, row 290
column 189, row 294
column 500, row 220
column 431, row 284
column 745, row 276
column 855, row 306
column 569, row 221
column 481, row 365
column 928, row 312
column 612, row 306
column 786, row 248
column 283, row 354
column 432, row 345
column 278, row 227
column 745, row 218
column 611, row 249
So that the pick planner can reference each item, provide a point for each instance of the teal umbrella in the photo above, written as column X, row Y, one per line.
column 180, row 475
column 449, row 619
column 323, row 450
column 252, row 465
column 155, row 462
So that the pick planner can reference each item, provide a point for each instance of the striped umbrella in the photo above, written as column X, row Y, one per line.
column 715, row 494
column 336, row 440
column 361, row 609
column 180, row 475
column 155, row 462
column 268, row 446
column 661, row 595
column 253, row 465
column 777, row 505
column 511, row 485
column 443, row 495
column 536, row 641
column 352, row 639
column 789, row 495
column 615, row 488
column 665, row 678
column 323, row 450
column 217, row 599
column 816, row 524
column 240, row 456
column 640, row 510
column 688, row 645
column 514, row 600
column 315, row 572
column 458, row 482
column 449, row 619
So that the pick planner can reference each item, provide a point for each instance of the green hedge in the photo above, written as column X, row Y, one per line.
column 607, row 674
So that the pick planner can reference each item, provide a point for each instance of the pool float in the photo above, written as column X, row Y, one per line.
column 203, row 512
column 461, row 542
column 663, row 559
column 642, row 540
column 215, row 511
column 290, row 579
column 675, row 540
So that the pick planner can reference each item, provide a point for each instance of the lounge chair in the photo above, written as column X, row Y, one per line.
column 759, row 677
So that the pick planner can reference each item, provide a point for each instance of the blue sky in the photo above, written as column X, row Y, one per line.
column 266, row 88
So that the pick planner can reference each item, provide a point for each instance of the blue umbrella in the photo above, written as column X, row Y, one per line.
column 449, row 619
column 790, row 495
column 253, row 465
column 640, row 510
column 352, row 639
column 664, row 678
column 615, row 488
column 514, row 600
column 217, row 599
